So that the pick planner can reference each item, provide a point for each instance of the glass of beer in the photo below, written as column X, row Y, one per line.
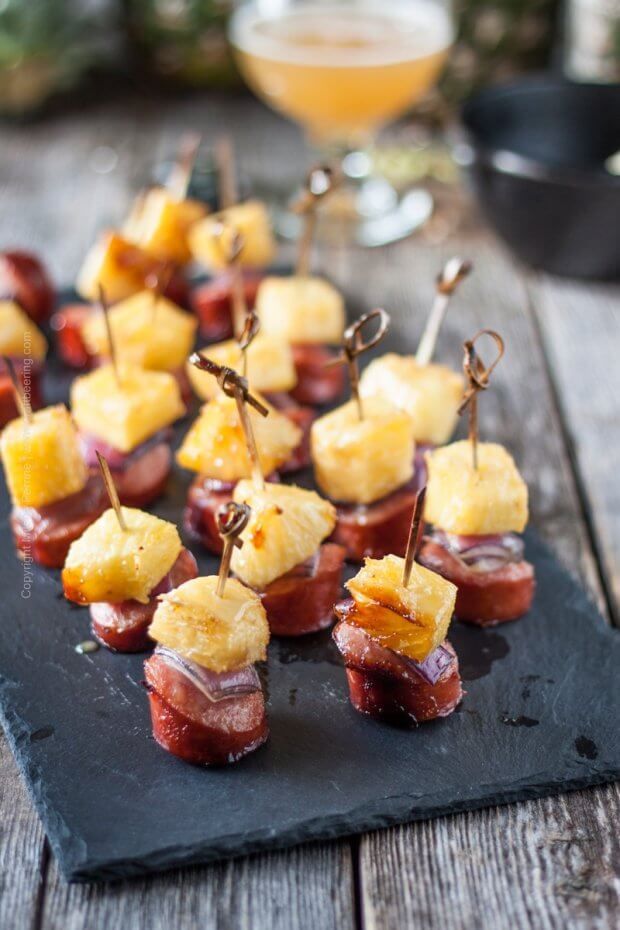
column 343, row 70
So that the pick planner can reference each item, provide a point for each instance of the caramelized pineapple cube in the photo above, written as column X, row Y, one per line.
column 301, row 310
column 287, row 525
column 111, row 565
column 116, row 265
column 475, row 502
column 360, row 461
column 270, row 366
column 159, row 224
column 411, row 620
column 148, row 330
column 430, row 394
column 19, row 336
column 251, row 220
column 220, row 633
column 215, row 444
column 42, row 459
column 125, row 415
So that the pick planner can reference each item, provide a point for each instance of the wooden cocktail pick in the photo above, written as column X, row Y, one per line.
column 110, row 487
column 321, row 180
column 232, row 519
column 181, row 173
column 226, row 172
column 246, row 337
column 157, row 282
column 233, row 385
column 415, row 534
column 477, row 380
column 353, row 345
column 231, row 242
column 103, row 304
column 454, row 271
column 21, row 398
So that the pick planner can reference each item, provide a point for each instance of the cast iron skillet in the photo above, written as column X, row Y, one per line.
column 535, row 152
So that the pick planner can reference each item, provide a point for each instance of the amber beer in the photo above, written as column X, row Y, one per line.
column 342, row 71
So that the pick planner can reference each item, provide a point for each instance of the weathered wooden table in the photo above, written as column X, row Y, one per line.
column 552, row 863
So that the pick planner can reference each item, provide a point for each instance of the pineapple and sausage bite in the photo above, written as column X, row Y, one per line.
column 476, row 512
column 160, row 223
column 392, row 636
column 206, row 700
column 308, row 312
column 284, row 556
column 270, row 366
column 365, row 465
column 22, row 341
column 119, row 570
column 216, row 449
column 148, row 331
column 429, row 393
column 126, row 417
column 53, row 497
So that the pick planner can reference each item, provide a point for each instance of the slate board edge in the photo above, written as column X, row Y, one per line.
column 72, row 855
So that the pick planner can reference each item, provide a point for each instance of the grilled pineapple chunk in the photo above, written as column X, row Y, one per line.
column 251, row 220
column 301, row 310
column 215, row 444
column 148, row 331
column 469, row 502
column 286, row 527
column 270, row 366
column 220, row 633
column 410, row 620
column 42, row 459
column 360, row 461
column 19, row 336
column 126, row 414
column 159, row 224
column 113, row 565
column 430, row 394
column 120, row 267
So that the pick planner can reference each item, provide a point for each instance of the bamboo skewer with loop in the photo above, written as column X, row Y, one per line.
column 232, row 519
column 246, row 337
column 320, row 181
column 478, row 380
column 233, row 385
column 110, row 487
column 353, row 346
column 231, row 243
column 21, row 399
column 454, row 271
column 181, row 173
column 415, row 534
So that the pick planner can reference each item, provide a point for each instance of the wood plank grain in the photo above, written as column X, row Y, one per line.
column 580, row 327
column 503, row 867
column 306, row 888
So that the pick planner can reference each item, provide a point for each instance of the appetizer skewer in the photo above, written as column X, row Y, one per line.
column 363, row 455
column 206, row 700
column 430, row 393
column 125, row 413
column 24, row 344
column 119, row 567
column 230, row 440
column 268, row 364
column 400, row 668
column 213, row 302
column 54, row 499
column 477, row 502
column 305, row 310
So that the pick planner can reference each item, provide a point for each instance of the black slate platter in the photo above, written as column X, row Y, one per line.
column 540, row 717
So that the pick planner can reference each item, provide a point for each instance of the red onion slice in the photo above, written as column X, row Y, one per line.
column 117, row 460
column 482, row 553
column 215, row 687
column 433, row 666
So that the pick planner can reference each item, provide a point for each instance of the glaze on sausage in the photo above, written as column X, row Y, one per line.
column 212, row 304
column 378, row 529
